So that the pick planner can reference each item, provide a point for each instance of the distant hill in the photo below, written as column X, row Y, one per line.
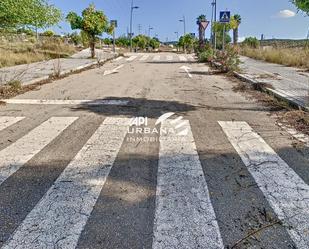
column 286, row 43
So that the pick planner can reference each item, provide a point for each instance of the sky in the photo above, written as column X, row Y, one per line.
column 273, row 18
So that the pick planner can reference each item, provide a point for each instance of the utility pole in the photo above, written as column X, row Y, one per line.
column 149, row 30
column 139, row 29
column 131, row 20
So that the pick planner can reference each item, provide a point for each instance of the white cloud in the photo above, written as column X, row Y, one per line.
column 285, row 14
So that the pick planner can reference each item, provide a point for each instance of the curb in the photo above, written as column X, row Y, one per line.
column 279, row 95
column 66, row 72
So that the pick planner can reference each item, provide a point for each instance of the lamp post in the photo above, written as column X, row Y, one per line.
column 131, row 19
column 184, row 24
column 177, row 35
column 149, row 30
column 214, row 20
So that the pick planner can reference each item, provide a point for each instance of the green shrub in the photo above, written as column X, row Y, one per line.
column 229, row 59
column 251, row 42
column 206, row 56
column 49, row 33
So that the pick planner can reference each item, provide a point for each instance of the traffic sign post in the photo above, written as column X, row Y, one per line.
column 225, row 17
column 115, row 24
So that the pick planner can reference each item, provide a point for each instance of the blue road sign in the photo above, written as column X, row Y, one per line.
column 225, row 16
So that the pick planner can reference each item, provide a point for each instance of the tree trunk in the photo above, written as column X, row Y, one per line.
column 235, row 36
column 92, row 47
column 201, row 36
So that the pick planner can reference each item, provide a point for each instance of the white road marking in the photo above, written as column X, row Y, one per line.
column 156, row 58
column 6, row 122
column 65, row 102
column 169, row 57
column 191, row 58
column 184, row 215
column 20, row 152
column 145, row 57
column 59, row 218
column 132, row 58
column 186, row 69
column 182, row 58
column 115, row 70
column 285, row 191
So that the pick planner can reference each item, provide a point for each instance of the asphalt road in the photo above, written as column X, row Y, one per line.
column 202, row 166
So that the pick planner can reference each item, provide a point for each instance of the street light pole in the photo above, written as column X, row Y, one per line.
column 215, row 15
column 149, row 30
column 184, row 24
column 177, row 34
column 131, row 20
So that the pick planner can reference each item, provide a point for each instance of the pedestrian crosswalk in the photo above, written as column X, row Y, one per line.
column 158, row 58
column 184, row 214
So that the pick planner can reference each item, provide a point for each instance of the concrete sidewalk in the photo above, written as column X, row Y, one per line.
column 287, row 82
column 35, row 72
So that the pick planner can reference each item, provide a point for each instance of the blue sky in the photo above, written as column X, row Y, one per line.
column 273, row 18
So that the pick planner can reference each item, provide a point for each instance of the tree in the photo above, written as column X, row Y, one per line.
column 302, row 5
column 123, row 42
column 75, row 38
column 107, row 41
column 235, row 22
column 201, row 30
column 92, row 23
column 141, row 41
column 187, row 42
column 154, row 43
column 219, row 28
column 33, row 14
column 251, row 42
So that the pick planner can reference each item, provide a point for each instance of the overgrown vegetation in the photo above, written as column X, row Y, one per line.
column 228, row 59
column 296, row 57
column 15, row 51
column 30, row 14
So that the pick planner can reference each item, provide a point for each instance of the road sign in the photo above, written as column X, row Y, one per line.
column 114, row 23
column 225, row 16
column 205, row 24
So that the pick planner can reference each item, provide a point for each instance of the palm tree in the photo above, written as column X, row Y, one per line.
column 201, row 30
column 237, row 20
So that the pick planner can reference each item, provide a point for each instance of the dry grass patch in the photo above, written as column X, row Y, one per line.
column 296, row 57
column 297, row 119
column 17, row 53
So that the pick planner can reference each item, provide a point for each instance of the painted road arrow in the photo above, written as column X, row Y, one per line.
column 115, row 70
column 187, row 70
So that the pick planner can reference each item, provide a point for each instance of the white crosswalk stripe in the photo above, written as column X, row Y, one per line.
column 131, row 58
column 182, row 58
column 6, row 122
column 156, row 58
column 169, row 57
column 20, row 152
column 144, row 57
column 285, row 191
column 59, row 218
column 184, row 213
